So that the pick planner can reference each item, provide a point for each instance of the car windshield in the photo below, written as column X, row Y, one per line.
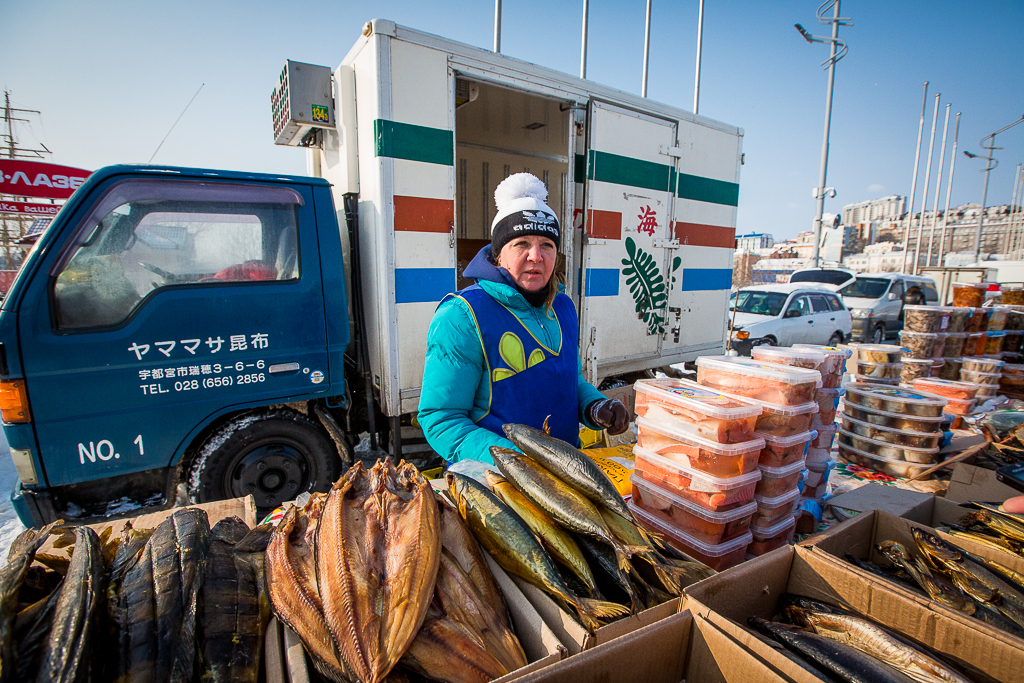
column 866, row 287
column 829, row 277
column 759, row 303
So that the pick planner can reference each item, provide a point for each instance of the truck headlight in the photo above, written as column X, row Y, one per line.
column 861, row 313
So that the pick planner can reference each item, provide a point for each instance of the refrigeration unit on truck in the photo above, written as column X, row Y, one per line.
column 234, row 333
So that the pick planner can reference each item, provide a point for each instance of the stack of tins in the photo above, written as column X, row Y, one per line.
column 883, row 363
column 696, row 468
column 785, row 385
column 895, row 430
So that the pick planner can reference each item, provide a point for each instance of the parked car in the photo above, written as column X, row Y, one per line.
column 783, row 315
column 876, row 301
column 835, row 278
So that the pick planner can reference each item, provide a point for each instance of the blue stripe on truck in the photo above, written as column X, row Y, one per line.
column 602, row 282
column 706, row 279
column 418, row 285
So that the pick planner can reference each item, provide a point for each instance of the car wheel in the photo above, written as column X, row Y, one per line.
column 770, row 341
column 878, row 336
column 273, row 456
column 835, row 340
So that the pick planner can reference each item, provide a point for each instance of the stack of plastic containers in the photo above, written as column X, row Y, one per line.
column 985, row 372
column 960, row 396
column 1014, row 334
column 696, row 468
column 1011, row 384
column 929, row 320
column 881, row 363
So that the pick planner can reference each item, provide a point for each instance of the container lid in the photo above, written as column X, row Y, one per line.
column 778, row 408
column 703, row 444
column 872, row 456
column 917, row 360
column 822, row 431
column 871, row 379
column 974, row 285
column 895, row 394
column 878, row 348
column 958, row 335
column 883, row 365
column 923, row 383
column 717, row 550
column 783, row 471
column 976, row 373
column 692, row 396
column 692, row 508
column 996, row 333
column 1012, row 333
column 825, row 466
column 886, row 413
column 774, row 353
column 827, row 350
column 777, row 501
column 699, row 481
column 761, row 533
column 786, row 441
column 933, row 451
column 923, row 307
column 938, row 362
column 894, row 430
column 975, row 334
column 1011, row 368
column 753, row 368
column 923, row 335
column 839, row 391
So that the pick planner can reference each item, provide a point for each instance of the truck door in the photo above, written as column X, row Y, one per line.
column 628, row 210
column 164, row 303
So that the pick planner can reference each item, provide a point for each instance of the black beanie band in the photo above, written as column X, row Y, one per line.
column 522, row 224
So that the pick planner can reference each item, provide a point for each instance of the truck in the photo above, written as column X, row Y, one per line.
column 203, row 334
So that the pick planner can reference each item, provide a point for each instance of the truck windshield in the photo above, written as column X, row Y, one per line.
column 758, row 303
column 866, row 287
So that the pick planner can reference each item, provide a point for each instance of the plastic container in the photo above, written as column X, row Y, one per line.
column 1013, row 341
column 1015, row 319
column 949, row 389
column 875, row 380
column 832, row 371
column 987, row 392
column 960, row 406
column 828, row 404
column 1013, row 376
column 971, row 343
column 1012, row 358
column 780, row 420
column 767, row 539
column 894, row 420
column 780, row 451
column 878, row 353
column 978, row 321
column 717, row 494
column 816, row 456
column 777, row 480
column 926, row 318
column 703, row 455
column 704, row 525
column 954, row 345
column 958, row 319
column 969, row 294
column 923, row 344
column 1012, row 295
column 937, row 365
column 994, row 342
column 879, row 370
column 688, row 407
column 895, row 400
column 889, row 451
column 763, row 381
column 823, row 437
column 894, row 468
column 891, row 435
column 817, row 475
column 772, row 510
column 985, row 378
column 997, row 319
column 975, row 364
column 951, row 369
column 807, row 359
column 717, row 556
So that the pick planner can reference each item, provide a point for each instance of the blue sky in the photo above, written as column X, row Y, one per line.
column 111, row 77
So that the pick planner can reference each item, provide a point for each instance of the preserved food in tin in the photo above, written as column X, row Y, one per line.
column 763, row 381
column 689, row 407
column 887, row 450
column 892, row 435
column 895, row 468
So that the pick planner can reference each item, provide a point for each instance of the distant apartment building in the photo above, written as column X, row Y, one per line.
column 754, row 240
column 891, row 207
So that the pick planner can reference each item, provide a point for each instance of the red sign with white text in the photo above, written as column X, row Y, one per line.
column 37, row 179
column 27, row 209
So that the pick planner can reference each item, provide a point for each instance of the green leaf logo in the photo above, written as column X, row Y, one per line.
column 510, row 348
column 647, row 285
column 536, row 357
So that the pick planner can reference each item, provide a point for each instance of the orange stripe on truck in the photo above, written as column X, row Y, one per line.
column 604, row 224
column 420, row 214
column 701, row 235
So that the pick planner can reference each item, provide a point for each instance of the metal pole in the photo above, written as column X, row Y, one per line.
column 1019, row 212
column 824, row 145
column 984, row 198
column 949, row 190
column 938, row 185
column 583, row 48
column 913, row 185
column 497, row 26
column 924, row 199
column 700, row 42
column 1011, row 216
column 647, row 50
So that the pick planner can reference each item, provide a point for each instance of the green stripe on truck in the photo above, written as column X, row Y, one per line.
column 613, row 168
column 708, row 190
column 415, row 143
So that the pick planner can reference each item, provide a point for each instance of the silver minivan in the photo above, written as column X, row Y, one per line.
column 876, row 302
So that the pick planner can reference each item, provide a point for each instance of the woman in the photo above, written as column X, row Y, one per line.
column 505, row 350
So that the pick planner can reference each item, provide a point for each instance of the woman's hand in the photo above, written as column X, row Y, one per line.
column 610, row 414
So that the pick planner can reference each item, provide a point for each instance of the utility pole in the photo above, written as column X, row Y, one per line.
column 913, row 184
column 14, row 151
column 991, row 164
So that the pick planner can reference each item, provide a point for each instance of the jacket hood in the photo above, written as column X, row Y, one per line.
column 481, row 268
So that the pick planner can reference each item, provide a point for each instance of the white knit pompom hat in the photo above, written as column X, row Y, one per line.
column 521, row 211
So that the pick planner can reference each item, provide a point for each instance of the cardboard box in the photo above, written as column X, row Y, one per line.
column 541, row 646
column 754, row 588
column 975, row 483
column 626, row 394
column 896, row 501
column 678, row 648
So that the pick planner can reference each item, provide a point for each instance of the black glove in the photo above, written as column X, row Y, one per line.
column 610, row 414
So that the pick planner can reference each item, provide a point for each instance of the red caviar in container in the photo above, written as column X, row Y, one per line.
column 777, row 480
column 768, row 539
column 947, row 388
column 718, row 556
column 772, row 510
column 764, row 381
column 832, row 370
column 780, row 420
column 779, row 451
column 713, row 493
column 688, row 407
column 682, row 515
column 718, row 459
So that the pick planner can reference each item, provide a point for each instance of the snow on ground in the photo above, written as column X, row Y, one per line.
column 10, row 525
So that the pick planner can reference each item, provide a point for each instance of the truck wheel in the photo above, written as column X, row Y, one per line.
column 835, row 340
column 273, row 456
column 878, row 336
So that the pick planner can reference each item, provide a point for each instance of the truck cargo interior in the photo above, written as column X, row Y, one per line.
column 498, row 132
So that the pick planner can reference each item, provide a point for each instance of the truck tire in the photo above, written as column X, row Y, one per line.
column 274, row 456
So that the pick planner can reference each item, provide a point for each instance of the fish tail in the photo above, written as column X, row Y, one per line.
column 595, row 610
column 625, row 551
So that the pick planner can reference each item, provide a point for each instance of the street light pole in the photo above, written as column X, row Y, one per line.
column 991, row 137
column 837, row 52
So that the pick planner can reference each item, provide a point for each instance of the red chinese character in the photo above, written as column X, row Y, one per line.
column 648, row 222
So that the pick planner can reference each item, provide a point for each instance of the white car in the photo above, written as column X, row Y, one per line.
column 783, row 315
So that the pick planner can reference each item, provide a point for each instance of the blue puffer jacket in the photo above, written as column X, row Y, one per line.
column 456, row 388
